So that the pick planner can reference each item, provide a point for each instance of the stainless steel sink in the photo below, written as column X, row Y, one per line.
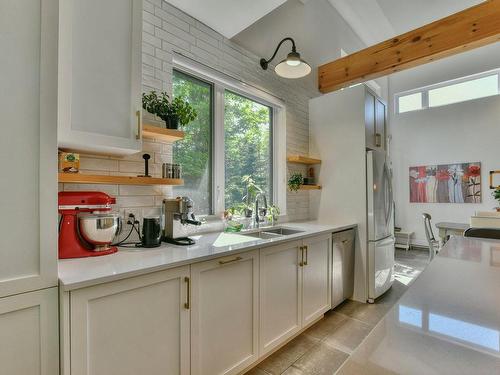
column 272, row 233
column 282, row 231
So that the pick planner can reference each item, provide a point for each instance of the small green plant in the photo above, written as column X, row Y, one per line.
column 295, row 181
column 273, row 213
column 166, row 109
column 183, row 110
column 496, row 195
column 158, row 105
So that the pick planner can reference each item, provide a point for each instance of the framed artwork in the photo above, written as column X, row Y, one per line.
column 446, row 183
column 494, row 179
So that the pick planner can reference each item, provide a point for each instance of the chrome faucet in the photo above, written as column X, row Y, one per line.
column 257, row 211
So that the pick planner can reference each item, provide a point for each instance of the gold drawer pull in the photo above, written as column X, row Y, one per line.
column 301, row 264
column 230, row 261
column 345, row 241
column 139, row 125
column 305, row 247
column 187, row 305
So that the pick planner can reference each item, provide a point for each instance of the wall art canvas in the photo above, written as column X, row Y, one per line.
column 446, row 183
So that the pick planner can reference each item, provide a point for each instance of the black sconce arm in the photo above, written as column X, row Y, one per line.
column 264, row 63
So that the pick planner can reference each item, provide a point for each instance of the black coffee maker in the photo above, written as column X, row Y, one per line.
column 151, row 232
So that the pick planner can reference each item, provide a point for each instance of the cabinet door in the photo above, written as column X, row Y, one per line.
column 224, row 315
column 316, row 297
column 100, row 75
column 379, row 124
column 370, row 120
column 280, row 294
column 29, row 333
column 28, row 162
column 133, row 326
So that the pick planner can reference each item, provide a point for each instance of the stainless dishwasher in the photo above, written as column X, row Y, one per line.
column 343, row 266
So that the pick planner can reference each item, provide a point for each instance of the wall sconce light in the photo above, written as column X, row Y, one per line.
column 292, row 67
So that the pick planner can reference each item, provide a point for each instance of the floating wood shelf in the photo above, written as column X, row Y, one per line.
column 78, row 178
column 302, row 160
column 164, row 134
column 310, row 187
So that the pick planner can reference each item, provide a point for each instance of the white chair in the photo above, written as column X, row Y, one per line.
column 433, row 243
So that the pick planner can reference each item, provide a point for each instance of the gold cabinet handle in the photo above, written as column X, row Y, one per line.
column 139, row 125
column 301, row 264
column 305, row 247
column 230, row 261
column 378, row 139
column 187, row 305
column 345, row 241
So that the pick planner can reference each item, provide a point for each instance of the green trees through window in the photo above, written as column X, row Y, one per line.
column 247, row 129
column 248, row 151
column 194, row 152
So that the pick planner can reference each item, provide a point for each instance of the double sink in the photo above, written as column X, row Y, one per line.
column 268, row 233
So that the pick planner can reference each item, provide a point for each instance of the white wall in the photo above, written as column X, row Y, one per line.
column 337, row 137
column 463, row 132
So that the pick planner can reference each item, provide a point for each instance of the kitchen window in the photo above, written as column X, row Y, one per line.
column 236, row 146
column 455, row 91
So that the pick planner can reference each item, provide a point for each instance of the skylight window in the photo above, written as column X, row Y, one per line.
column 456, row 91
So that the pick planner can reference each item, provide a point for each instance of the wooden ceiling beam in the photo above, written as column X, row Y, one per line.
column 471, row 28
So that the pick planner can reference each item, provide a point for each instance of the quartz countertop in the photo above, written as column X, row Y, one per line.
column 84, row 272
column 447, row 322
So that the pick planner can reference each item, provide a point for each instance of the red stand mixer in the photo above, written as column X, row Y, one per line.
column 87, row 227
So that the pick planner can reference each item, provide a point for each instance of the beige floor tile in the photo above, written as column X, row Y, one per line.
column 326, row 325
column 293, row 371
column 256, row 371
column 348, row 335
column 365, row 312
column 320, row 360
column 286, row 356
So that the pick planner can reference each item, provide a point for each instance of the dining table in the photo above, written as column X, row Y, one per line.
column 446, row 229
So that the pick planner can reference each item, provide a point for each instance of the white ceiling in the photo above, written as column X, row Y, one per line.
column 406, row 15
column 228, row 17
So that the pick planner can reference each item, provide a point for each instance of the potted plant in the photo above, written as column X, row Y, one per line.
column 295, row 181
column 251, row 191
column 172, row 112
column 496, row 195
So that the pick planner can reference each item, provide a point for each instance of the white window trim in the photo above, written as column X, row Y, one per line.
column 221, row 83
column 425, row 90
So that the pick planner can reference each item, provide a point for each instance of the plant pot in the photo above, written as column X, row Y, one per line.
column 498, row 209
column 248, row 212
column 172, row 122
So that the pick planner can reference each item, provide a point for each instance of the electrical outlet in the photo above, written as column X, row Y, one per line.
column 127, row 212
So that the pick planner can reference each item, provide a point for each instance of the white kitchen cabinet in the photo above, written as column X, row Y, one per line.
column 224, row 315
column 28, row 161
column 99, row 102
column 29, row 333
column 280, row 294
column 133, row 326
column 316, row 296
column 375, row 121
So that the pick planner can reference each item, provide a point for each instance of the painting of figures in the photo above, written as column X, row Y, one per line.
column 446, row 183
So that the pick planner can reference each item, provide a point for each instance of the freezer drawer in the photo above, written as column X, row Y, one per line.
column 380, row 267
column 343, row 266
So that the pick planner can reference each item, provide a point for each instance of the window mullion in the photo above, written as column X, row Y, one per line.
column 218, row 151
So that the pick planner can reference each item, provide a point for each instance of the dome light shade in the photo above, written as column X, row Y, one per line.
column 292, row 67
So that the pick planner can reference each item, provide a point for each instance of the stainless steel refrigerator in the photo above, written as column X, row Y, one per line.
column 380, row 220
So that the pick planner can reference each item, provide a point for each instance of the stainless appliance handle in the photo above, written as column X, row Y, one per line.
column 389, row 187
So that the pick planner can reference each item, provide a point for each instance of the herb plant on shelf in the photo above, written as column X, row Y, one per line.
column 295, row 181
column 172, row 112
column 496, row 195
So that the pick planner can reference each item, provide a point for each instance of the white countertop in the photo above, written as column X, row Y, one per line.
column 83, row 272
column 447, row 322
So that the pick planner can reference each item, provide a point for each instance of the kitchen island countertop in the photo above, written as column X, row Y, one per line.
column 84, row 272
column 447, row 322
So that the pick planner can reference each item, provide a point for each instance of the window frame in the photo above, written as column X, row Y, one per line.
column 220, row 83
column 425, row 90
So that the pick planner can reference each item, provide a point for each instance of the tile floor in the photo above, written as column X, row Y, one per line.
column 323, row 348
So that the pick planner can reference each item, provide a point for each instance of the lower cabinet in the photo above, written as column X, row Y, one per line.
column 280, row 294
column 224, row 315
column 316, row 271
column 133, row 326
column 216, row 317
column 29, row 333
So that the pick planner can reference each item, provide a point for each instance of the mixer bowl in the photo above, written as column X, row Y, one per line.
column 99, row 229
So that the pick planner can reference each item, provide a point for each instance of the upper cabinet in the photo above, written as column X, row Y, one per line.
column 375, row 121
column 28, row 81
column 99, row 101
